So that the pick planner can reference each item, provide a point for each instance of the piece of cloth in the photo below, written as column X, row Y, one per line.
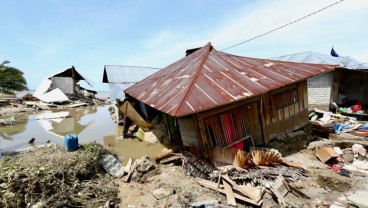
column 358, row 148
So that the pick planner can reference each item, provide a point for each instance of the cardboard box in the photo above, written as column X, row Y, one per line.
column 326, row 154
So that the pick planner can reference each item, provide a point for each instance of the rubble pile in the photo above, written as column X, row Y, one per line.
column 250, row 176
column 337, row 123
column 51, row 177
column 346, row 162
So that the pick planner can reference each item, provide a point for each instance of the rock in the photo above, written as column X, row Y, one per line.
column 348, row 155
column 359, row 198
column 143, row 169
column 162, row 193
column 31, row 140
column 206, row 203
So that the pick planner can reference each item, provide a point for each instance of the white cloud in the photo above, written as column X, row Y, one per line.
column 317, row 32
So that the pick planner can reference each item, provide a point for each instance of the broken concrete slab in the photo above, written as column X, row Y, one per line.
column 359, row 198
column 162, row 193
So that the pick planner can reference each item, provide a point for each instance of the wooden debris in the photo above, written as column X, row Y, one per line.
column 250, row 192
column 229, row 194
column 281, row 188
column 170, row 159
column 128, row 165
column 127, row 178
column 221, row 155
column 213, row 186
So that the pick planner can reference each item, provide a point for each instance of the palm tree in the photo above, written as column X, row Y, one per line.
column 11, row 79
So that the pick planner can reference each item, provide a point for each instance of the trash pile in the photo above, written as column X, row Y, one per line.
column 249, row 176
column 52, row 177
column 138, row 171
column 346, row 162
column 336, row 123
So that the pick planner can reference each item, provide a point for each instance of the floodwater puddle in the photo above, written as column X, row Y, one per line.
column 92, row 123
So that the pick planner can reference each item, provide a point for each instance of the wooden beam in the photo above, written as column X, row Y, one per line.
column 229, row 194
column 213, row 186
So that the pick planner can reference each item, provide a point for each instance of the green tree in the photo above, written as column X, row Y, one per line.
column 11, row 79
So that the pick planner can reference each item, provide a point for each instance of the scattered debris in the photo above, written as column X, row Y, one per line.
column 51, row 177
column 141, row 169
column 7, row 121
column 325, row 154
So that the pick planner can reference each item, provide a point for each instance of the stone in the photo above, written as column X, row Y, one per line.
column 359, row 198
column 348, row 155
column 162, row 193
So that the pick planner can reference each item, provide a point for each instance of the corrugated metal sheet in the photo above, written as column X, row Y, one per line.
column 208, row 78
column 69, row 73
column 319, row 58
column 119, row 74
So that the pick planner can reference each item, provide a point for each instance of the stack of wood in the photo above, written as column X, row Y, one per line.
column 233, row 191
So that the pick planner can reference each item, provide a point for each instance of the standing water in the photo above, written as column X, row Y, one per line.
column 92, row 123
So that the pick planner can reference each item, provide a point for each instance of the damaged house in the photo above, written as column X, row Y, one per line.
column 216, row 99
column 350, row 79
column 61, row 86
column 120, row 77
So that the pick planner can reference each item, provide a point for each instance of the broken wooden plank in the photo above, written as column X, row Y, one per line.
column 250, row 192
column 280, row 187
column 127, row 178
column 213, row 186
column 164, row 155
column 128, row 165
column 173, row 158
column 229, row 193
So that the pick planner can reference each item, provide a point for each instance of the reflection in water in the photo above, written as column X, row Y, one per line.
column 66, row 122
column 20, row 123
column 89, row 123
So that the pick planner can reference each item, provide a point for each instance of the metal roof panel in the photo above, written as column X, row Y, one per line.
column 208, row 79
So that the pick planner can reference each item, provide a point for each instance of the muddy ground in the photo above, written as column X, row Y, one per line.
column 167, row 186
column 323, row 185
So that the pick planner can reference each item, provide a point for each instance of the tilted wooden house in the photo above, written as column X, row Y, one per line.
column 218, row 99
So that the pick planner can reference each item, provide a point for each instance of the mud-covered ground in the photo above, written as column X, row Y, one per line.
column 323, row 185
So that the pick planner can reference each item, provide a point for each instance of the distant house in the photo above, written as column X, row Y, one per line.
column 220, row 99
column 350, row 76
column 120, row 77
column 57, row 87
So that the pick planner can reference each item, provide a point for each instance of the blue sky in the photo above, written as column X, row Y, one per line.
column 45, row 37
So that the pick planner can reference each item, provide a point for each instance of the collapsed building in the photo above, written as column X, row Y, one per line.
column 215, row 99
column 63, row 86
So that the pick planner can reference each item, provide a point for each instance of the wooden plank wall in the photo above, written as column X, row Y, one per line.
column 252, row 115
column 277, row 121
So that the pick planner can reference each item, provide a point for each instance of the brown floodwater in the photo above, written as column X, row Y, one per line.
column 92, row 123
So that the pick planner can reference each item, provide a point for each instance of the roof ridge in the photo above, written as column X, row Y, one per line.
column 199, row 68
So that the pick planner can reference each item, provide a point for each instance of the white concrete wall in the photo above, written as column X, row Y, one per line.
column 319, row 91
column 66, row 84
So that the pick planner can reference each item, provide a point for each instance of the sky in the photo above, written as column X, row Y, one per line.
column 43, row 37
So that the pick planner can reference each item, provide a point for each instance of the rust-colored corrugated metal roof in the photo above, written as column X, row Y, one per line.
column 208, row 78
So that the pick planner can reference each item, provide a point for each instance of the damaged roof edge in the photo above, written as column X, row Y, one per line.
column 207, row 79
